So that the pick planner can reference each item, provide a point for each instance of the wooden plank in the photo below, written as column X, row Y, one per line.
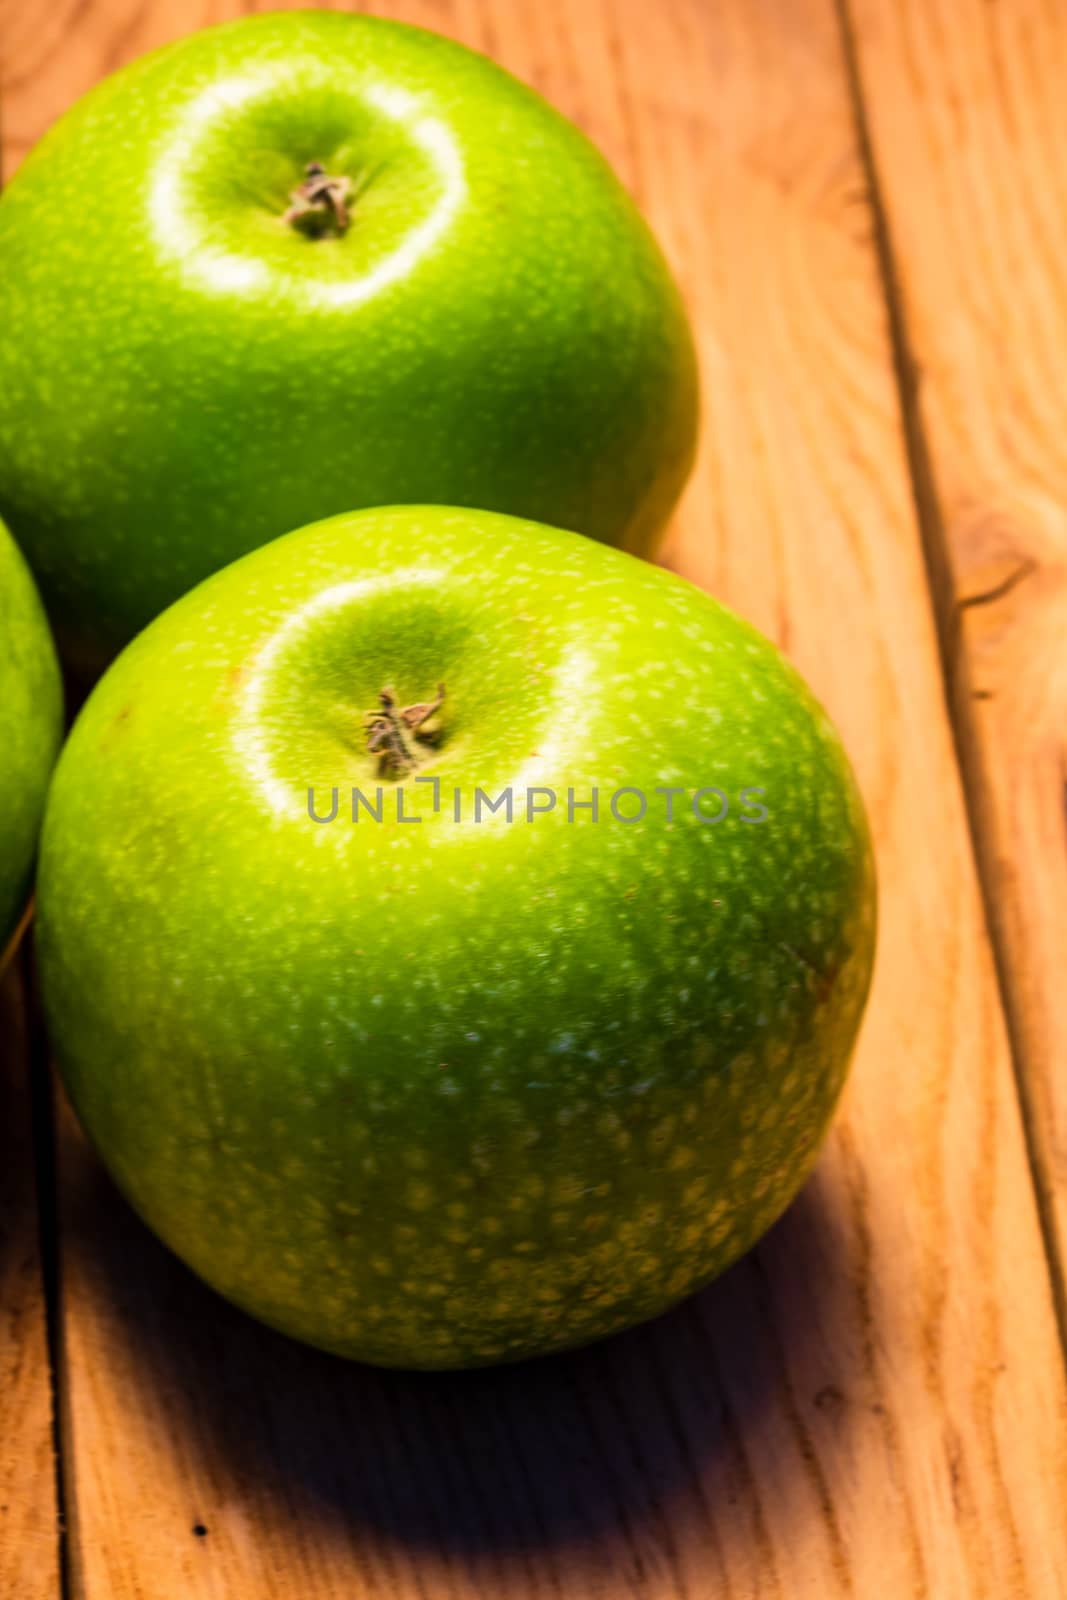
column 968, row 118
column 29, row 1529
column 871, row 1404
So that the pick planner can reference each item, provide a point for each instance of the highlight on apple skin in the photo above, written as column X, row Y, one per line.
column 31, row 728
column 435, row 1092
column 307, row 262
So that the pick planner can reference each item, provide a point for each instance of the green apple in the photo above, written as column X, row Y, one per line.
column 430, row 1091
column 464, row 308
column 31, row 727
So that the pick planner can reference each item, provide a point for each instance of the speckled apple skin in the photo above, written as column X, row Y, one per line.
column 31, row 727
column 184, row 375
column 432, row 1094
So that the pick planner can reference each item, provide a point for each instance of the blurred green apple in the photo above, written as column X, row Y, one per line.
column 31, row 727
column 403, row 1076
column 205, row 347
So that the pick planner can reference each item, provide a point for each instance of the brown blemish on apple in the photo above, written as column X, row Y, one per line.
column 232, row 679
column 820, row 981
column 116, row 726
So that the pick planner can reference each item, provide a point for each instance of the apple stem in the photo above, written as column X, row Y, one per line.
column 391, row 733
column 319, row 200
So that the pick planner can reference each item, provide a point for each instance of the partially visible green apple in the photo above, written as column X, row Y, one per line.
column 189, row 368
column 31, row 728
column 435, row 1092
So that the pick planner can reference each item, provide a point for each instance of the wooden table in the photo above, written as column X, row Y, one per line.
column 867, row 207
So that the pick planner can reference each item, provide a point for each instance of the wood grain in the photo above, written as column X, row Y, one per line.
column 29, row 1530
column 968, row 119
column 873, row 1403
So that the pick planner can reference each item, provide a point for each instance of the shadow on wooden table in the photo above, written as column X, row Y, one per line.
column 625, row 1438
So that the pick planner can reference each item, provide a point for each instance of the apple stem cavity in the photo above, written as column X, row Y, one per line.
column 393, row 733
column 320, row 202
